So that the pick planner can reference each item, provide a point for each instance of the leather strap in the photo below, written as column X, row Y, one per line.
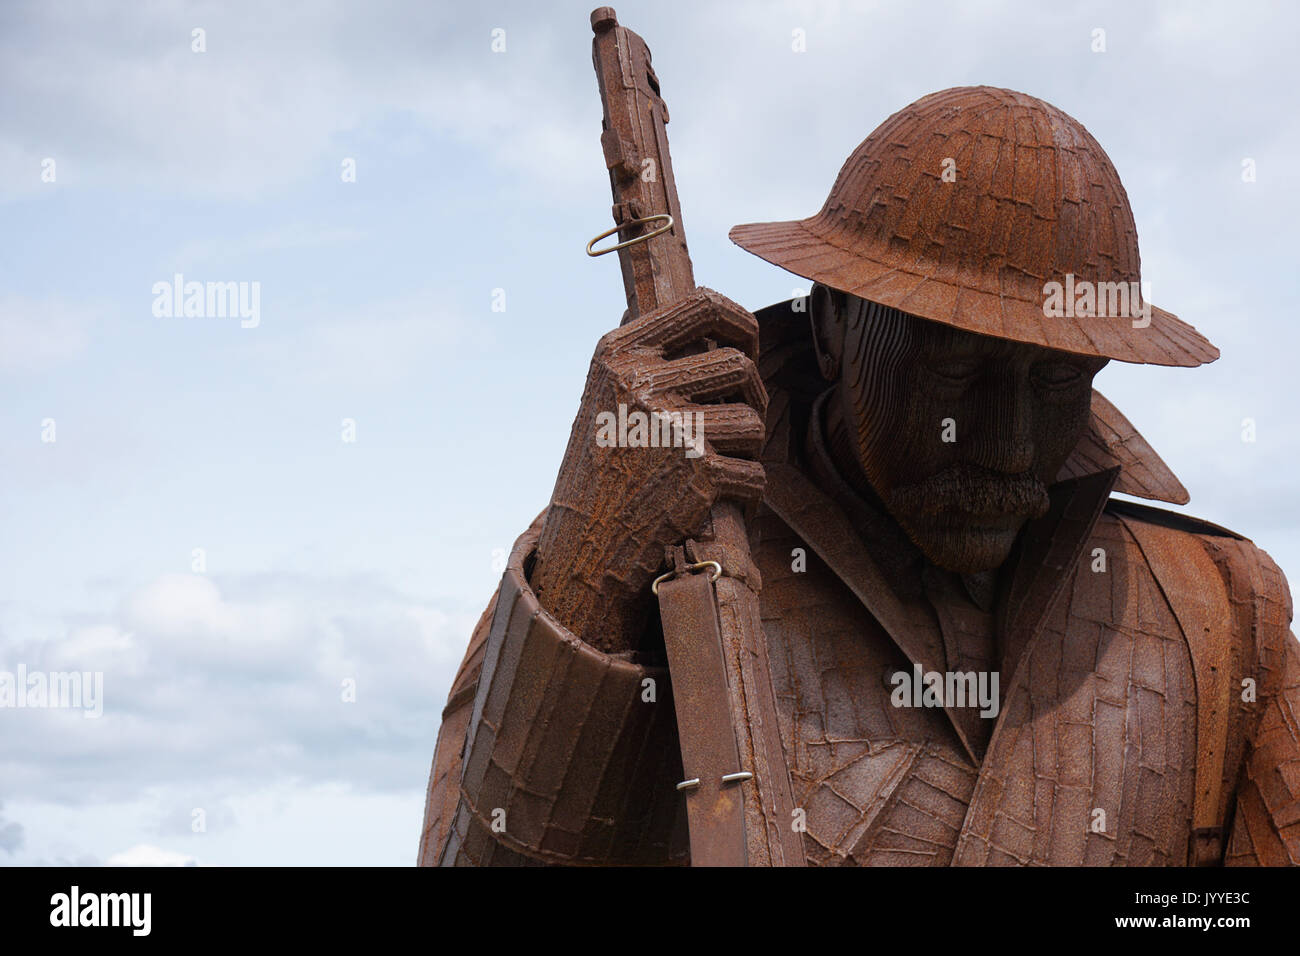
column 1195, row 590
column 692, row 636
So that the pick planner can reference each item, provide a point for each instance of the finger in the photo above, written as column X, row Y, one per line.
column 734, row 479
column 717, row 375
column 703, row 314
column 734, row 430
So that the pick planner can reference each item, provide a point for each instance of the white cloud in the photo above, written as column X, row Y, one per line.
column 181, row 605
column 11, row 835
column 263, row 105
column 145, row 855
column 205, row 689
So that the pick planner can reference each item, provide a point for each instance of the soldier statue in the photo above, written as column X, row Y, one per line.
column 920, row 632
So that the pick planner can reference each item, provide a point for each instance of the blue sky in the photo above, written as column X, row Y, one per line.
column 370, row 560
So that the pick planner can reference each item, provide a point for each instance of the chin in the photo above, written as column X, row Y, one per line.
column 967, row 549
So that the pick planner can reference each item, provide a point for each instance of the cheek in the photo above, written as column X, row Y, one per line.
column 900, row 432
column 1059, row 427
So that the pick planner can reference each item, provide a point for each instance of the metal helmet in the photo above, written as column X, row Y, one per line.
column 992, row 211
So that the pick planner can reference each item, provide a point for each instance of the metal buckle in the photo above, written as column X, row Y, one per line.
column 717, row 573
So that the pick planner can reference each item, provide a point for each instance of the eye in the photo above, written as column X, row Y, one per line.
column 1056, row 374
column 955, row 370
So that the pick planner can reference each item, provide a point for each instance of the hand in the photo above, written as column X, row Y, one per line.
column 683, row 376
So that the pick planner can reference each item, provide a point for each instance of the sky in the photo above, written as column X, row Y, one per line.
column 272, row 533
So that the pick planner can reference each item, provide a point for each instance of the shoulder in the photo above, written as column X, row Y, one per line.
column 1240, row 560
column 1256, row 589
column 1162, row 517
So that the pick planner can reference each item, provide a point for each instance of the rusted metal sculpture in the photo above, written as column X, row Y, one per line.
column 888, row 588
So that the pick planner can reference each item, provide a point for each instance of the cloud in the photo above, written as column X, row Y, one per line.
column 11, row 835
column 214, row 688
column 260, row 106
column 145, row 855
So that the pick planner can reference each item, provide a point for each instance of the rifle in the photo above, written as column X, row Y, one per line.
column 737, row 783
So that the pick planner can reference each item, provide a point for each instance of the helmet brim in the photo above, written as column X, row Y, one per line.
column 922, row 289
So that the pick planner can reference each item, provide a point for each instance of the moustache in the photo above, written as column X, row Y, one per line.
column 973, row 490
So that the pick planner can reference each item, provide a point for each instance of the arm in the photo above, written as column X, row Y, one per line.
column 551, row 751
column 1266, row 827
column 567, row 751
column 551, row 692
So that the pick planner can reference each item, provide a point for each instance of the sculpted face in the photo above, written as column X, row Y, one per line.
column 958, row 434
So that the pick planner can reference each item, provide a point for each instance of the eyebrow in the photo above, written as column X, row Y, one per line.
column 948, row 342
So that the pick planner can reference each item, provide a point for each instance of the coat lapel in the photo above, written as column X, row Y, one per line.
column 1042, row 701
column 1050, row 547
column 828, row 531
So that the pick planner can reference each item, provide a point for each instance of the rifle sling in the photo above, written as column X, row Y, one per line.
column 693, row 638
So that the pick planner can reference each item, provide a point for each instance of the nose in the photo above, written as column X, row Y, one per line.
column 1004, row 440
